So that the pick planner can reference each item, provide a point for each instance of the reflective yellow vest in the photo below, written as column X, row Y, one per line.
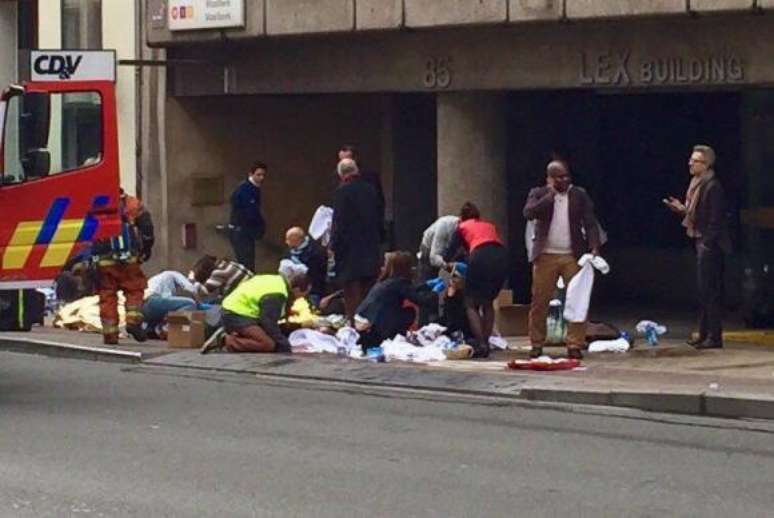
column 245, row 300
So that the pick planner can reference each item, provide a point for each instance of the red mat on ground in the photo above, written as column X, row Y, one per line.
column 536, row 365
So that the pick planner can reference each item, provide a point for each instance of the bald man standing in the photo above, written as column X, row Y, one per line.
column 565, row 229
column 302, row 249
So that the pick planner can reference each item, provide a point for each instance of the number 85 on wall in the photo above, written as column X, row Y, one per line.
column 438, row 73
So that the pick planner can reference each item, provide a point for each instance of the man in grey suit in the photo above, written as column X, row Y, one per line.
column 704, row 219
column 565, row 229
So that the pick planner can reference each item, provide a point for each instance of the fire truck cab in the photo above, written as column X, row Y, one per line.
column 59, row 174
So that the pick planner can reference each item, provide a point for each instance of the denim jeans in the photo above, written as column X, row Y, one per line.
column 156, row 308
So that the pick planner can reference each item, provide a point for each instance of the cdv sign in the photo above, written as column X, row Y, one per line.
column 73, row 65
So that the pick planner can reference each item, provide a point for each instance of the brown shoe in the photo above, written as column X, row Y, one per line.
column 574, row 353
column 111, row 339
column 461, row 352
column 535, row 352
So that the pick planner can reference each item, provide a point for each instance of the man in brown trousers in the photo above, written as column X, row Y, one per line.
column 565, row 229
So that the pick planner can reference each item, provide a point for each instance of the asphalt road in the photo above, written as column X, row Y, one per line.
column 81, row 438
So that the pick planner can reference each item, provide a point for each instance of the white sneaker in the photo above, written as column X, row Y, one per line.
column 213, row 342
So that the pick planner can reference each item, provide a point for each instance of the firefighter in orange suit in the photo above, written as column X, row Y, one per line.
column 119, row 268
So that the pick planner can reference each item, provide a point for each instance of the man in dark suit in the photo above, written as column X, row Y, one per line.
column 247, row 223
column 370, row 176
column 704, row 219
column 565, row 229
column 355, row 237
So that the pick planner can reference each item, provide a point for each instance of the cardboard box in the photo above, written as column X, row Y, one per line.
column 511, row 319
column 186, row 329
column 504, row 298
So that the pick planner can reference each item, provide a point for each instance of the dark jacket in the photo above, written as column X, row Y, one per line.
column 374, row 179
column 355, row 237
column 584, row 228
column 383, row 307
column 315, row 258
column 711, row 217
column 246, row 214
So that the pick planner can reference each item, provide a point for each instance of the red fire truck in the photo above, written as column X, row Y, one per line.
column 59, row 178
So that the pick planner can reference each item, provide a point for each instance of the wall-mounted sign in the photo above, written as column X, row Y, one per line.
column 73, row 65
column 186, row 15
column 622, row 68
column 157, row 11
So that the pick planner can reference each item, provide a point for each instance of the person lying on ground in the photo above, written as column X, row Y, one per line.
column 167, row 291
column 383, row 313
column 302, row 249
column 215, row 278
column 251, row 315
column 77, row 278
column 332, row 304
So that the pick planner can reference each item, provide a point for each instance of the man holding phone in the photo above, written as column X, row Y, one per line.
column 703, row 214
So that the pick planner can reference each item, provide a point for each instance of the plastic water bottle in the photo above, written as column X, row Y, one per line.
column 651, row 335
column 376, row 355
column 555, row 322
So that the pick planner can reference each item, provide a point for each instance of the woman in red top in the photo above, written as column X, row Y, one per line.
column 487, row 271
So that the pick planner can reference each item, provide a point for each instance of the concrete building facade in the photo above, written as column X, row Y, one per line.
column 460, row 100
column 95, row 24
column 8, row 42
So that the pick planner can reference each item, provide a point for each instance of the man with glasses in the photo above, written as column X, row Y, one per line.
column 704, row 219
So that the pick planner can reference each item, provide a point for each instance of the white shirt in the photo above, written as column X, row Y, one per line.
column 166, row 284
column 559, row 240
column 437, row 237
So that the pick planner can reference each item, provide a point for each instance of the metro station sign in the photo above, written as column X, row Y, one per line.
column 186, row 15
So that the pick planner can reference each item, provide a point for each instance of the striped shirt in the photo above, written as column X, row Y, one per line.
column 226, row 276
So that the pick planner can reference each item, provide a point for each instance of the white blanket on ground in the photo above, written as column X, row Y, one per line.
column 619, row 345
column 311, row 341
column 399, row 349
column 83, row 314
column 576, row 305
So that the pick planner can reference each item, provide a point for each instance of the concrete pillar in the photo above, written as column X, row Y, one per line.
column 757, row 155
column 8, row 44
column 121, row 36
column 472, row 154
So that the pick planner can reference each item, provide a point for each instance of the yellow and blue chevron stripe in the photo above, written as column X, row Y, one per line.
column 57, row 234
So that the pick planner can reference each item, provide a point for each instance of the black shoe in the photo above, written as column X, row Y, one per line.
column 709, row 345
column 693, row 342
column 481, row 351
column 574, row 353
column 137, row 332
column 535, row 352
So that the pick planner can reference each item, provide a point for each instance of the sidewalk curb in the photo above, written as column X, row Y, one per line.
column 60, row 350
column 667, row 402
column 710, row 404
column 700, row 404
